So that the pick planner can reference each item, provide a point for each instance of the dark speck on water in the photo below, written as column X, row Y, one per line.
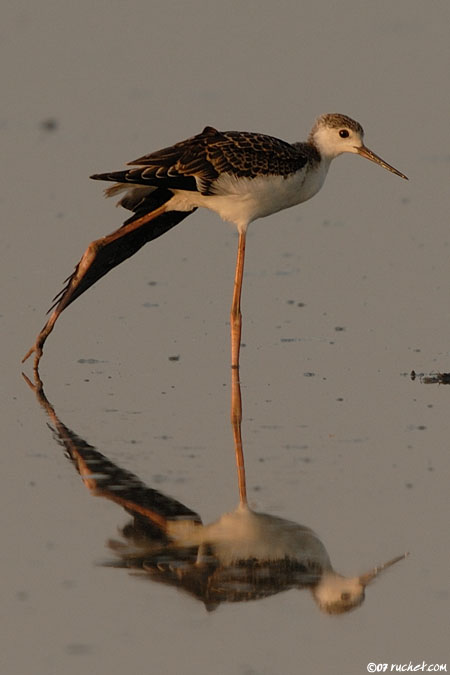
column 49, row 124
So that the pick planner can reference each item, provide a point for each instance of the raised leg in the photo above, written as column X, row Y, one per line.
column 236, row 316
column 100, row 256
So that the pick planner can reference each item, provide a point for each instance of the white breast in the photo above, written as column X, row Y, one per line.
column 244, row 534
column 243, row 200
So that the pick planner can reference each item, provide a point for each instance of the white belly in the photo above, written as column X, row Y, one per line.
column 242, row 200
column 244, row 534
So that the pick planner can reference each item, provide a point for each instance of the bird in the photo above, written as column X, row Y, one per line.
column 242, row 556
column 241, row 176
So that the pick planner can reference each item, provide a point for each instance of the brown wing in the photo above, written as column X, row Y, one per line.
column 196, row 163
column 110, row 251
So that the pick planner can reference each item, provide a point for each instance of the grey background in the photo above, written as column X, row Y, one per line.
column 369, row 254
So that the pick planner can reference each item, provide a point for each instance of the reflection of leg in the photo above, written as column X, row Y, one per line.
column 236, row 419
column 236, row 317
column 105, row 479
column 203, row 556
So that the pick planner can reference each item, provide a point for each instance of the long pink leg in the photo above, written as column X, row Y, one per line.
column 86, row 262
column 236, row 316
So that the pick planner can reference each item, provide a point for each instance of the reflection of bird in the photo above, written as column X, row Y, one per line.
column 241, row 176
column 242, row 556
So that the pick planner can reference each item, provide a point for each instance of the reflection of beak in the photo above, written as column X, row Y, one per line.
column 368, row 154
column 370, row 576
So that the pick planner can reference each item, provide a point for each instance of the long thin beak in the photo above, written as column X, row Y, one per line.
column 368, row 154
column 370, row 576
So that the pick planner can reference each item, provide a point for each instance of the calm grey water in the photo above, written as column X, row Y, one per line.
column 343, row 296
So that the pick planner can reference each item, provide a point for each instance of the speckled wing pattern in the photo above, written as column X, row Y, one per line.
column 196, row 163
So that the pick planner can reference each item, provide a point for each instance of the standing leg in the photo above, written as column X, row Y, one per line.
column 236, row 316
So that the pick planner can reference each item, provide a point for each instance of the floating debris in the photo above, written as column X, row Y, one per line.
column 432, row 378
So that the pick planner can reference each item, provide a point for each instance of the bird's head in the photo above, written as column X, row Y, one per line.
column 334, row 134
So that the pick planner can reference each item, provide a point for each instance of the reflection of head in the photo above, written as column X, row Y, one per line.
column 336, row 594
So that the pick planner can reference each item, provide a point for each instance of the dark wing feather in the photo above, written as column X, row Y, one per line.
column 194, row 164
column 141, row 177
column 112, row 254
column 251, row 154
column 106, row 479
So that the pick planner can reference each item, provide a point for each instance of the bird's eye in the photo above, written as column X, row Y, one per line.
column 345, row 596
column 344, row 133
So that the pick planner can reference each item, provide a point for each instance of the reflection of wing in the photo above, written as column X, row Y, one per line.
column 213, row 584
column 148, row 222
column 106, row 479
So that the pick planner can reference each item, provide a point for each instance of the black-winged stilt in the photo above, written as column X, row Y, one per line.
column 241, row 176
